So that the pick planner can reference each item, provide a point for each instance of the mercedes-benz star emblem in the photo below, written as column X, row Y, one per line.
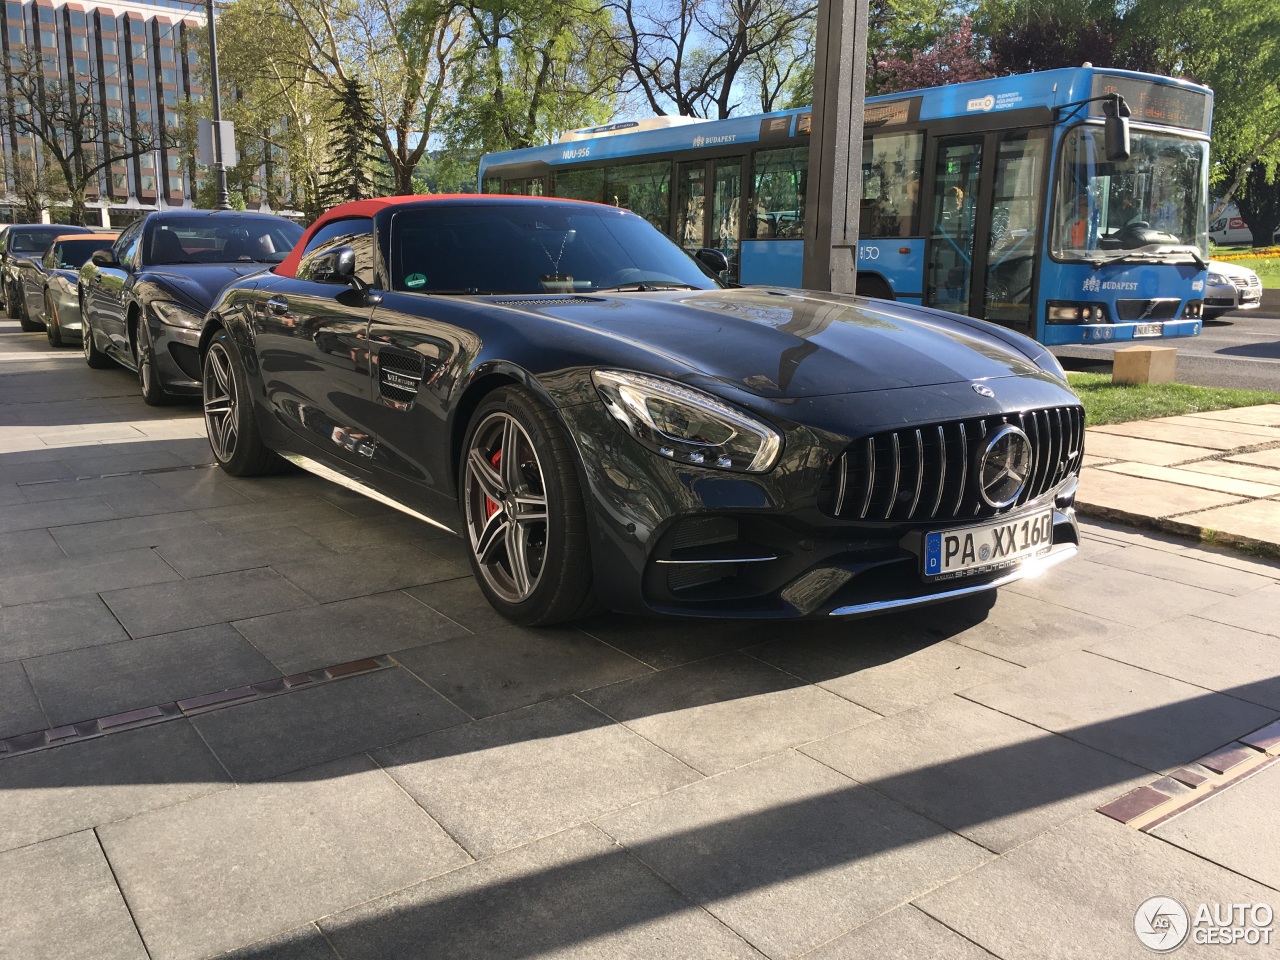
column 982, row 390
column 1004, row 466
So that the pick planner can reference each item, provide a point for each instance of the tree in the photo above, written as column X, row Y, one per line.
column 956, row 56
column 350, row 175
column 688, row 57
column 529, row 69
column 66, row 120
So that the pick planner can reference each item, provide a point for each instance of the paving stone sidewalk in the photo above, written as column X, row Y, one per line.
column 1212, row 476
column 269, row 720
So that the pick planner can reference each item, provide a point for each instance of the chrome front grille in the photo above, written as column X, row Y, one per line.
column 926, row 473
column 1246, row 283
column 1160, row 308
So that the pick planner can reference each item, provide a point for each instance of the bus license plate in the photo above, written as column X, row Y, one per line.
column 1148, row 330
column 993, row 546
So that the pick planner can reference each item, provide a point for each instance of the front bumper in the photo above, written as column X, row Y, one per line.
column 177, row 354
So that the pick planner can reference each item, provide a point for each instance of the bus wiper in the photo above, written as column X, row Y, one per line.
column 644, row 286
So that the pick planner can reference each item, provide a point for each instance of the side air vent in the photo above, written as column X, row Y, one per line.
column 545, row 301
column 399, row 376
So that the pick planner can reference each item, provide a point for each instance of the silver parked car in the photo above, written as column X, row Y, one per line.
column 48, row 283
column 1230, row 287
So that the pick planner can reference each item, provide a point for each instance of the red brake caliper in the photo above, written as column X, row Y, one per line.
column 491, row 507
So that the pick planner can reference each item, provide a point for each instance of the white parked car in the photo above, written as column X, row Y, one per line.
column 1230, row 287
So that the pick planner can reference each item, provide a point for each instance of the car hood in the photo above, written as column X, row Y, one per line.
column 1231, row 269
column 794, row 344
column 198, row 284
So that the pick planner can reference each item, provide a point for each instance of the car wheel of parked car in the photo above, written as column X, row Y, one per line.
column 19, row 308
column 51, row 326
column 522, row 506
column 92, row 355
column 149, row 379
column 228, row 414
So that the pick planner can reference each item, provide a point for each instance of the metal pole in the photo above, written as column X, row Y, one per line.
column 219, row 170
column 834, row 189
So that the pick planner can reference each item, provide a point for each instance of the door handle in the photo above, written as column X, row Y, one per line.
column 278, row 305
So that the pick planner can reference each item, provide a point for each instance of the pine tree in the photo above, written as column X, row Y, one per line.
column 351, row 175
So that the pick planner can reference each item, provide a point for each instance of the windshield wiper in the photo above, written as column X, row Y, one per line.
column 644, row 286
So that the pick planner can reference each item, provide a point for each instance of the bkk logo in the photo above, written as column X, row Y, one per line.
column 982, row 103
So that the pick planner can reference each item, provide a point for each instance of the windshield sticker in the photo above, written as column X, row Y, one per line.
column 415, row 280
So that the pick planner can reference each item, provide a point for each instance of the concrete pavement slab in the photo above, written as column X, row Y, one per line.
column 1136, row 715
column 137, row 457
column 213, row 553
column 133, row 484
column 221, row 871
column 501, row 782
column 169, row 607
column 1236, row 828
column 1245, row 424
column 901, row 934
column 53, row 792
column 461, row 601
column 331, row 576
column 1207, row 654
column 142, row 503
column 1101, row 488
column 11, row 493
column 112, row 678
column 573, row 896
column 1258, row 611
column 723, row 712
column 25, row 467
column 987, row 776
column 1264, row 476
column 309, row 514
column 1262, row 458
column 302, row 943
column 35, row 516
column 789, row 853
column 1213, row 435
column 75, row 576
column 1125, row 596
column 514, row 667
column 1102, row 529
column 1257, row 521
column 1072, row 894
column 311, row 637
column 276, row 735
column 54, row 626
column 669, row 643
column 28, row 546
column 887, row 665
column 113, row 536
column 1115, row 447
column 61, row 903
column 19, row 709
column 1204, row 480
column 1186, row 567
column 1267, row 414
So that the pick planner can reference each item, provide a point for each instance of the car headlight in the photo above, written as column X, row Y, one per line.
column 687, row 425
column 1219, row 279
column 176, row 315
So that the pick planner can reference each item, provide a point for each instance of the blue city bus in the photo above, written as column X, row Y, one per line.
column 996, row 198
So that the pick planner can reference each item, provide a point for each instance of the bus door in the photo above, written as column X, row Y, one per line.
column 709, row 208
column 950, row 271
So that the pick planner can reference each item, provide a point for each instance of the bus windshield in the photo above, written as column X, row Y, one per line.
column 1149, row 207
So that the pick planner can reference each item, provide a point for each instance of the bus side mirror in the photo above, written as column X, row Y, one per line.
column 1116, row 129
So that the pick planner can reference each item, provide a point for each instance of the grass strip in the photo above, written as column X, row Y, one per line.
column 1106, row 402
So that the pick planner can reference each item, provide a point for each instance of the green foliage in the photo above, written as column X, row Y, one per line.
column 350, row 173
column 1106, row 402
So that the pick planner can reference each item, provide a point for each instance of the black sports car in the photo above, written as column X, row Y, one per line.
column 606, row 424
column 142, row 302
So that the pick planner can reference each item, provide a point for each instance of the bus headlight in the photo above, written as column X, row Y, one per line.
column 1193, row 310
column 687, row 425
column 1067, row 311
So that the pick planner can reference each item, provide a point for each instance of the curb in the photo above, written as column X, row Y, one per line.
column 1246, row 545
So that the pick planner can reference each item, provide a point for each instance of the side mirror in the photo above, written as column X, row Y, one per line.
column 335, row 266
column 104, row 258
column 1116, row 129
column 713, row 259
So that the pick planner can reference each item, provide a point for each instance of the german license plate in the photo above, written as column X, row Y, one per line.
column 992, row 546
column 1148, row 330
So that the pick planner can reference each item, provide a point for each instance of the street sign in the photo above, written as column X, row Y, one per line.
column 205, row 153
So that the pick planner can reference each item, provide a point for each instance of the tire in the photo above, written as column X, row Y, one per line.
column 229, row 420
column 544, row 523
column 94, row 357
column 148, row 377
column 52, row 328
column 19, row 302
column 10, row 303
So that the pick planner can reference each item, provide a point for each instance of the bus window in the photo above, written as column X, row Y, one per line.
column 579, row 184
column 1015, row 222
column 955, row 185
column 531, row 187
column 491, row 185
column 777, row 195
column 642, row 188
column 690, row 206
column 725, row 211
column 891, row 185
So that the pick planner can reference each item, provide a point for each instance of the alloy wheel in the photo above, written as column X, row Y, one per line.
column 506, row 507
column 220, row 403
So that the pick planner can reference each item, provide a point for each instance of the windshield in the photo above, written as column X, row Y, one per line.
column 1105, row 210
column 33, row 239
column 534, row 248
column 258, row 239
column 72, row 254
